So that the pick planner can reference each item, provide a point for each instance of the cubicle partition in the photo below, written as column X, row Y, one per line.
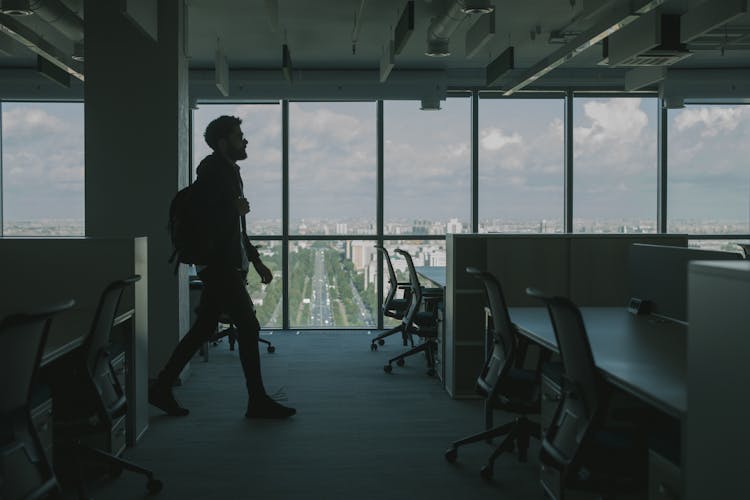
column 40, row 271
column 659, row 276
column 590, row 269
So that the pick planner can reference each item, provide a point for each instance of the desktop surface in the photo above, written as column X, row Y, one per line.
column 643, row 355
column 435, row 274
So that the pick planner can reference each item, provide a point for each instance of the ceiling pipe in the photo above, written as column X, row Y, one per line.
column 442, row 28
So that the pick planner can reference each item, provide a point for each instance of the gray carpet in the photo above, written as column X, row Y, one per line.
column 359, row 432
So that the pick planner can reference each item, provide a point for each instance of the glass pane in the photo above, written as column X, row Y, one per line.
column 261, row 171
column 332, row 168
column 43, row 169
column 521, row 159
column 709, row 172
column 427, row 168
column 332, row 284
column 615, row 160
column 268, row 299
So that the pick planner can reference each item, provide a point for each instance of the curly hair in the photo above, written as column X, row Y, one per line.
column 220, row 128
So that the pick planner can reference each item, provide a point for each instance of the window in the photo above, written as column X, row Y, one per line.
column 709, row 174
column 332, row 284
column 261, row 171
column 614, row 165
column 427, row 168
column 332, row 168
column 521, row 159
column 42, row 177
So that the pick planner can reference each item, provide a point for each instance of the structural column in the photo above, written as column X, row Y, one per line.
column 136, row 126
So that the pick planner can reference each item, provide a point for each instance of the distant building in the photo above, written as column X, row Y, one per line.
column 454, row 226
column 421, row 227
column 341, row 228
column 437, row 259
column 361, row 254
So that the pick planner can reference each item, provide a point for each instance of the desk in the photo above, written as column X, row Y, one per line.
column 434, row 274
column 642, row 355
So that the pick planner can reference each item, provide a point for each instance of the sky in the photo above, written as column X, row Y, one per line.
column 427, row 158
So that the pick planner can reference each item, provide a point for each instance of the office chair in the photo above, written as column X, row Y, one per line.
column 393, row 306
column 422, row 323
column 230, row 332
column 504, row 383
column 93, row 401
column 25, row 471
column 578, row 451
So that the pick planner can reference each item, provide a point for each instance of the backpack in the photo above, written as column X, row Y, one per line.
column 187, row 229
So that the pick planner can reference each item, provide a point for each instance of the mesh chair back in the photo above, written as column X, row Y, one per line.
column 98, row 338
column 24, row 470
column 392, row 280
column 111, row 401
column 581, row 382
column 22, row 340
column 416, row 289
column 503, row 333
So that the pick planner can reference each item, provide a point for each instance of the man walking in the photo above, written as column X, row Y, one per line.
column 218, row 193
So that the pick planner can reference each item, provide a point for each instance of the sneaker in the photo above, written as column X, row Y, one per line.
column 268, row 408
column 163, row 399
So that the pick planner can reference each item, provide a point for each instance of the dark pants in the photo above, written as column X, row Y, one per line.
column 224, row 290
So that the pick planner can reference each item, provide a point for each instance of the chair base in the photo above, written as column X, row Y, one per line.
column 83, row 454
column 428, row 347
column 380, row 339
column 518, row 434
column 231, row 334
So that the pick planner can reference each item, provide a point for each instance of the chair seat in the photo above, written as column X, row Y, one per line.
column 396, row 308
column 520, row 392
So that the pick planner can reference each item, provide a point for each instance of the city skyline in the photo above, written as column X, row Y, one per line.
column 332, row 161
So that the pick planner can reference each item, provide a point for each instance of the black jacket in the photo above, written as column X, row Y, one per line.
column 218, row 184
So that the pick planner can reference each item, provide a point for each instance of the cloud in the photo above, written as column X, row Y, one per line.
column 493, row 139
column 25, row 120
column 712, row 121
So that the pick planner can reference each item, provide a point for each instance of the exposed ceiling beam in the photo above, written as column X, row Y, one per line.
column 622, row 14
column 31, row 40
column 708, row 16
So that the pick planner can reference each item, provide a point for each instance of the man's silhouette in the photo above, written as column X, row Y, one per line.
column 218, row 193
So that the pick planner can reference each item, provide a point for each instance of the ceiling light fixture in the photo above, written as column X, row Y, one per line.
column 16, row 7
column 438, row 47
column 77, row 52
column 477, row 7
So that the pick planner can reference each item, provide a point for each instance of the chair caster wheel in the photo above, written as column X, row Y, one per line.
column 451, row 454
column 154, row 486
column 388, row 368
column 271, row 349
column 486, row 472
column 373, row 347
column 431, row 372
column 400, row 362
column 381, row 341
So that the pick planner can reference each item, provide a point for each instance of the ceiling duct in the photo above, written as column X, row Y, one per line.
column 56, row 14
column 652, row 41
column 442, row 28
